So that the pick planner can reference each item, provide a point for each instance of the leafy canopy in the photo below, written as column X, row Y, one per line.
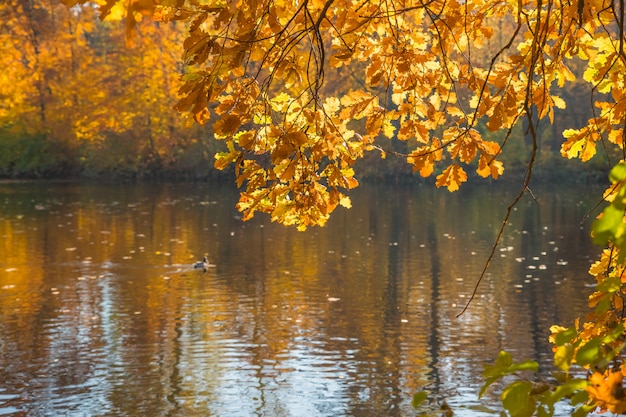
column 300, row 90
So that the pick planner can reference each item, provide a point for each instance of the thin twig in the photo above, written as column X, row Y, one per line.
column 495, row 245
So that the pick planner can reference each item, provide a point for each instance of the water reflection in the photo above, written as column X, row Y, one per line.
column 102, row 314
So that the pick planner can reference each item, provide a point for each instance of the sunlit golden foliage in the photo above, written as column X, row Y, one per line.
column 72, row 88
column 435, row 74
column 607, row 391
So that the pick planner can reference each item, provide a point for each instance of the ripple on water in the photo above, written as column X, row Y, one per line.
column 347, row 320
column 305, row 370
column 5, row 408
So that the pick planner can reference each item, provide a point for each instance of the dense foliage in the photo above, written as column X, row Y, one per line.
column 452, row 81
column 273, row 78
column 77, row 100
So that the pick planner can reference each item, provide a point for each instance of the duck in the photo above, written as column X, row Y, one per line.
column 203, row 264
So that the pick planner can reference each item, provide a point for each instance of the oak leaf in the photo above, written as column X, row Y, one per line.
column 452, row 177
column 227, row 125
column 607, row 391
column 358, row 104
column 579, row 143
column 423, row 159
column 489, row 166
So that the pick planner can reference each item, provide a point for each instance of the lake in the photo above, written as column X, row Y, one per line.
column 102, row 314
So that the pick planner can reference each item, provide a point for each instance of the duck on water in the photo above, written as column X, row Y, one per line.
column 203, row 264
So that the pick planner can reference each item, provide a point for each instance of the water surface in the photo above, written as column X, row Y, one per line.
column 102, row 314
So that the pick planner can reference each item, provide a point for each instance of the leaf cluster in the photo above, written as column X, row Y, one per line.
column 433, row 74
column 596, row 345
column 524, row 398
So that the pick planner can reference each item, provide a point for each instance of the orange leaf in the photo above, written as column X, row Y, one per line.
column 357, row 104
column 423, row 159
column 497, row 119
column 579, row 144
column 297, row 138
column 607, row 391
column 452, row 177
column 227, row 125
column 487, row 166
column 468, row 150
column 375, row 72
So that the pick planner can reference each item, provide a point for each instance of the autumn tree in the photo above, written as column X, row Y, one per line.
column 34, row 63
column 76, row 97
column 437, row 74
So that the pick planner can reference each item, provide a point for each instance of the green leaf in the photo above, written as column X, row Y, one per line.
column 563, row 357
column 581, row 396
column 541, row 412
column 481, row 409
column 419, row 398
column 573, row 386
column 524, row 366
column 618, row 172
column 503, row 361
column 516, row 399
column 565, row 336
column 560, row 376
column 603, row 306
column 588, row 353
column 608, row 355
column 610, row 284
column 488, row 382
column 504, row 366
column 584, row 410
column 614, row 334
column 607, row 228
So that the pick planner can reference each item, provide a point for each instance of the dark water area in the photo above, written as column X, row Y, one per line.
column 101, row 313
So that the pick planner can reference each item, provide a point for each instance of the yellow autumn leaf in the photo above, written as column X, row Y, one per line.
column 468, row 145
column 452, row 177
column 223, row 159
column 398, row 97
column 423, row 159
column 245, row 139
column 564, row 74
column 358, row 104
column 388, row 128
column 607, row 392
column 375, row 72
column 296, row 139
column 489, row 166
column 280, row 102
column 579, row 144
column 559, row 102
column 422, row 163
column 331, row 105
column 616, row 136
